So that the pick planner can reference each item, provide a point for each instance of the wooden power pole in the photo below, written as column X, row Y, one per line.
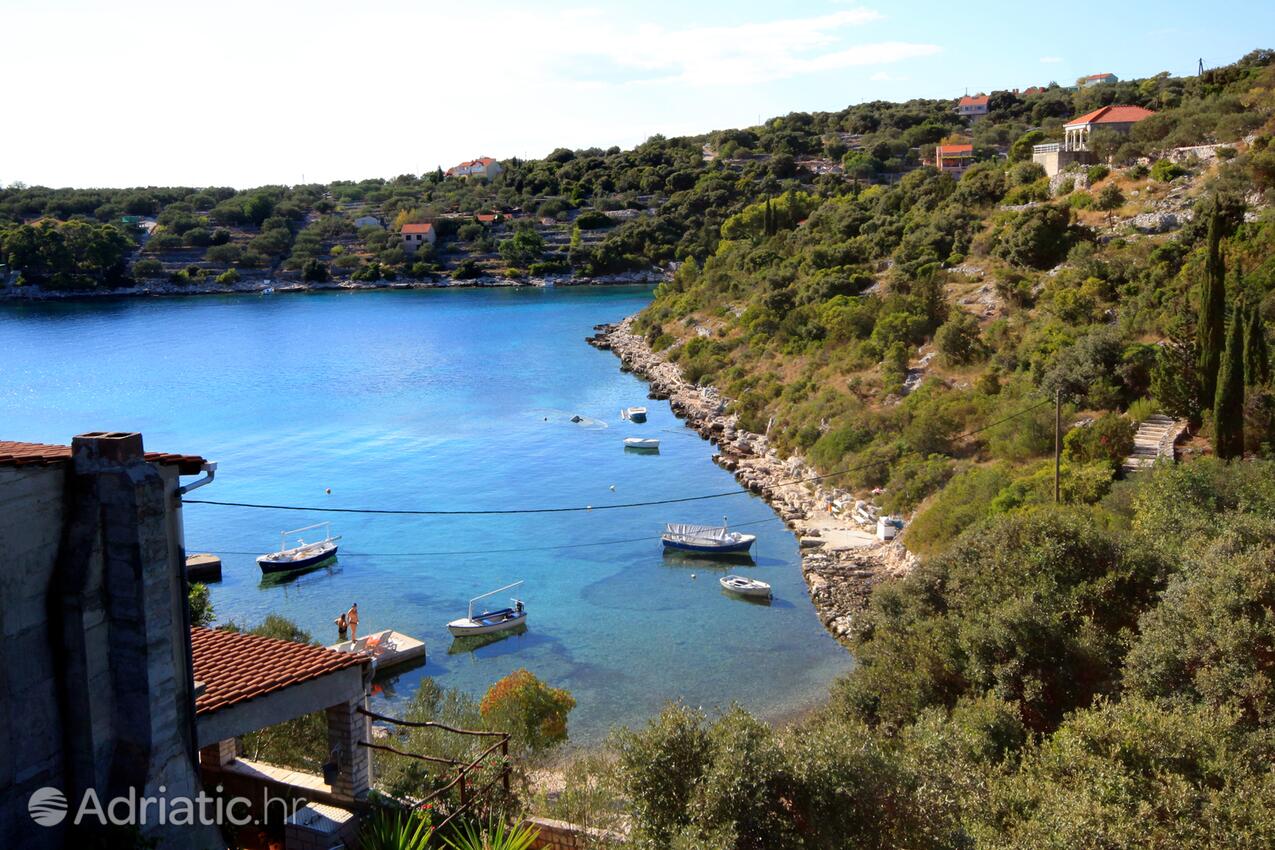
column 1057, row 443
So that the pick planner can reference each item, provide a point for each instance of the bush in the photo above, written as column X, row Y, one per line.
column 201, row 607
column 593, row 220
column 1109, row 438
column 965, row 500
column 959, row 341
column 1038, row 237
column 1097, row 173
column 531, row 711
column 1162, row 170
column 228, row 277
column 1109, row 197
column 148, row 267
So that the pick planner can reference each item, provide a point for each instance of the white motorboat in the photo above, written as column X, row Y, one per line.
column 634, row 414
column 303, row 554
column 645, row 443
column 488, row 621
column 706, row 539
column 745, row 586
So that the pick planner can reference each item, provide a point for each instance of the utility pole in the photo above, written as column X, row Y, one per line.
column 1057, row 442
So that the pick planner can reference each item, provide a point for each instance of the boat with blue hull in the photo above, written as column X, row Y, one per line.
column 303, row 555
column 489, row 622
column 706, row 539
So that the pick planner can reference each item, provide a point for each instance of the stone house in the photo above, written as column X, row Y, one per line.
column 484, row 167
column 1096, row 79
column 415, row 235
column 953, row 159
column 972, row 108
column 1075, row 147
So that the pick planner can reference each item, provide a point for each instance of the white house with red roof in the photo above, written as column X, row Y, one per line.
column 1096, row 79
column 484, row 167
column 972, row 108
column 1075, row 147
column 416, row 235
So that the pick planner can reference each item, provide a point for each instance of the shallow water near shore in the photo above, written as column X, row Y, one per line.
column 439, row 400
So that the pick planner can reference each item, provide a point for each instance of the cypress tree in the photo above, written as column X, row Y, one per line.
column 1257, row 364
column 1212, row 327
column 1228, row 406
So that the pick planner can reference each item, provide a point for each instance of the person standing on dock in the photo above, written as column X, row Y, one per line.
column 352, row 617
column 342, row 625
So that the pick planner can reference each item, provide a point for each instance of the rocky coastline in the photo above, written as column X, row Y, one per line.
column 841, row 560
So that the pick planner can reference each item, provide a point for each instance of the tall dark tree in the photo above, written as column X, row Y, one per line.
column 1257, row 364
column 1175, row 381
column 1212, row 325
column 1228, row 406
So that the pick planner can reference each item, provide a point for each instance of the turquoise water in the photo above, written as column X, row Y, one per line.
column 438, row 400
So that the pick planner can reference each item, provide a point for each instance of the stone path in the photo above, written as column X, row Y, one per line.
column 1154, row 439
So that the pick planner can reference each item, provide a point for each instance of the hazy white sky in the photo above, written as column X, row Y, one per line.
column 133, row 92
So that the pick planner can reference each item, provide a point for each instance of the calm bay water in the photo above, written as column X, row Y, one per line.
column 438, row 400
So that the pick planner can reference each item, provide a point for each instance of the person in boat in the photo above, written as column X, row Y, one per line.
column 517, row 607
column 352, row 617
column 342, row 625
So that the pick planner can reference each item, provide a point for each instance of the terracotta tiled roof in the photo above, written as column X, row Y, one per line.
column 981, row 100
column 425, row 227
column 42, row 454
column 955, row 150
column 1099, row 76
column 1112, row 115
column 234, row 667
column 486, row 218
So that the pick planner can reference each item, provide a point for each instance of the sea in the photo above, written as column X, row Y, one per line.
column 440, row 400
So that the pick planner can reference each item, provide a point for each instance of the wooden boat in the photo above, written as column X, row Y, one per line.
column 643, row 443
column 706, row 539
column 487, row 622
column 745, row 586
column 634, row 414
column 302, row 555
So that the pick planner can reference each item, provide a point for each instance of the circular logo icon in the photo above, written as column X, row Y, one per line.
column 47, row 806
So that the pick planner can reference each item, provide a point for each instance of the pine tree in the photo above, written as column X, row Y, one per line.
column 1212, row 326
column 1174, row 380
column 768, row 219
column 1228, row 406
column 1257, row 364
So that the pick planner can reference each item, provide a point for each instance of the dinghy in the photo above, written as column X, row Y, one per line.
column 745, row 586
column 706, row 539
column 634, row 414
column 489, row 621
column 302, row 555
column 645, row 443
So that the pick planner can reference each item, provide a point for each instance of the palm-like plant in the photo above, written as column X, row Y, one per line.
column 393, row 830
column 496, row 836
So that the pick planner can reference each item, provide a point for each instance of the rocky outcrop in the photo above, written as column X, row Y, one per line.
column 841, row 560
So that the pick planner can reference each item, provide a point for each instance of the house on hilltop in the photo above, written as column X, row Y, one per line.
column 484, row 167
column 415, row 235
column 368, row 221
column 1075, row 146
column 953, row 159
column 1096, row 79
column 972, row 108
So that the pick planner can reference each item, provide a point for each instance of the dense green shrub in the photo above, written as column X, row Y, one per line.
column 1109, row 438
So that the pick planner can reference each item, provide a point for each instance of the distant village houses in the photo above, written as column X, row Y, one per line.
column 1075, row 146
column 953, row 159
column 368, row 221
column 484, row 167
column 972, row 108
column 415, row 235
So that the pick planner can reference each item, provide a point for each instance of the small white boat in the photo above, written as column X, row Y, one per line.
column 745, row 586
column 641, row 443
column 634, row 414
column 706, row 539
column 303, row 554
column 487, row 622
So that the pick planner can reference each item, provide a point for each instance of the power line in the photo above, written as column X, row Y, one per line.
column 587, row 508
column 491, row 551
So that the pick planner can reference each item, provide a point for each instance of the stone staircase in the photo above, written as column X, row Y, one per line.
column 1154, row 439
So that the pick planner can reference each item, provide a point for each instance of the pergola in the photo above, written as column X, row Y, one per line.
column 246, row 682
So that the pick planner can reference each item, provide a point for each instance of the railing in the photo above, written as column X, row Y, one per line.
column 1053, row 147
column 468, row 796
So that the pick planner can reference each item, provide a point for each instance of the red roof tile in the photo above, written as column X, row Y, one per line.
column 13, row 453
column 1112, row 115
column 424, row 227
column 981, row 100
column 954, row 150
column 487, row 218
column 234, row 667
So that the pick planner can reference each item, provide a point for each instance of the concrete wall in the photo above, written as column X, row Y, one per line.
column 93, row 615
column 561, row 835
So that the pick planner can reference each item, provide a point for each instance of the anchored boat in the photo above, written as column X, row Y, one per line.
column 706, row 539
column 745, row 586
column 302, row 555
column 634, row 414
column 500, row 620
column 642, row 443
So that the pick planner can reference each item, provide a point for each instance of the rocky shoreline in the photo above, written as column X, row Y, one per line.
column 840, row 560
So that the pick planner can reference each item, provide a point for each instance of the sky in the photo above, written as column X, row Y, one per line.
column 234, row 93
